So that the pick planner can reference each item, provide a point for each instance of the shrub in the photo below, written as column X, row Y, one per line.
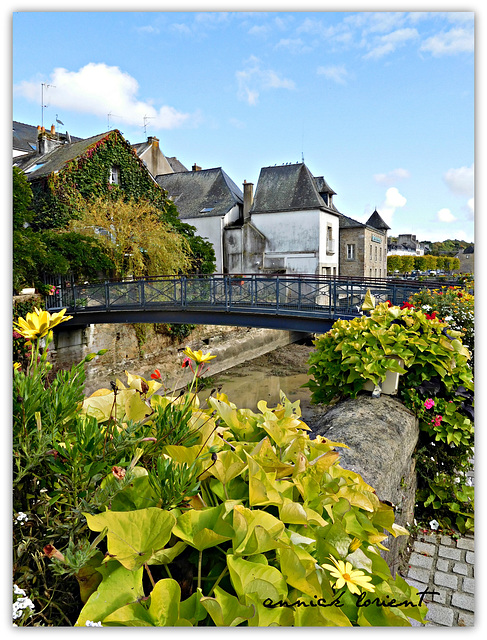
column 436, row 365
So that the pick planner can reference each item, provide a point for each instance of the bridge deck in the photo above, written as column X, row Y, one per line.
column 284, row 302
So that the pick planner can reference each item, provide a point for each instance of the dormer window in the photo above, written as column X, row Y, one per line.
column 114, row 177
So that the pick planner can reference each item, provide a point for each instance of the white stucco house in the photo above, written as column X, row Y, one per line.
column 295, row 214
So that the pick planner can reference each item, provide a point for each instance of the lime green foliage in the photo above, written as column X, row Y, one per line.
column 437, row 367
column 158, row 511
column 268, row 509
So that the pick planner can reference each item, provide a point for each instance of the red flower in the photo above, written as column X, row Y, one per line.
column 431, row 316
column 156, row 375
column 460, row 294
column 407, row 305
column 389, row 303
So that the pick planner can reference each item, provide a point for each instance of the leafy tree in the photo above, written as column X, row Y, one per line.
column 407, row 263
column 420, row 263
column 134, row 237
column 394, row 263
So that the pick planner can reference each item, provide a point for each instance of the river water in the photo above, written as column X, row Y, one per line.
column 263, row 378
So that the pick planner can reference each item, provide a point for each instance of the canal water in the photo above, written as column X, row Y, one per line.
column 284, row 369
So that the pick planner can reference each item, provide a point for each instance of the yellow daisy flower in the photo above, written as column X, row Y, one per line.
column 346, row 575
column 198, row 356
column 38, row 323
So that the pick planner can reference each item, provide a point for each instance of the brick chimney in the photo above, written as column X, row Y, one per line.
column 248, row 189
column 47, row 140
column 196, row 168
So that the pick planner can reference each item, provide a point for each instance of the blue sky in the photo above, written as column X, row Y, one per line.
column 380, row 103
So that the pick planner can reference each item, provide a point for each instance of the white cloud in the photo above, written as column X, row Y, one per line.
column 470, row 209
column 390, row 42
column 337, row 73
column 294, row 45
column 458, row 40
column 393, row 200
column 147, row 29
column 445, row 215
column 460, row 181
column 392, row 177
column 254, row 79
column 98, row 89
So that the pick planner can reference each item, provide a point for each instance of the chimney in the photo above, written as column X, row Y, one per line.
column 46, row 140
column 53, row 130
column 248, row 199
column 196, row 168
column 152, row 140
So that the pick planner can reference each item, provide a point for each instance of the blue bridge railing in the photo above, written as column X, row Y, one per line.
column 228, row 295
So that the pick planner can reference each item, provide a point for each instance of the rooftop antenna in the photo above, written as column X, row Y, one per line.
column 43, row 106
column 111, row 114
column 145, row 123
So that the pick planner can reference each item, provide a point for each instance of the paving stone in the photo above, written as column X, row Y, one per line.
column 468, row 585
column 450, row 552
column 423, row 547
column 446, row 580
column 465, row 620
column 466, row 543
column 447, row 541
column 439, row 614
column 470, row 557
column 440, row 595
column 418, row 560
column 423, row 575
column 420, row 586
column 460, row 567
column 442, row 564
column 463, row 601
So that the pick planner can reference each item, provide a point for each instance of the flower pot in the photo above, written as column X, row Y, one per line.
column 390, row 384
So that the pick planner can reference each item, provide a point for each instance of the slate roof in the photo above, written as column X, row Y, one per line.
column 54, row 160
column 25, row 137
column 288, row 188
column 469, row 249
column 376, row 221
column 201, row 194
column 175, row 165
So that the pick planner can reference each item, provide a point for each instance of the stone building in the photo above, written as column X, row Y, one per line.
column 363, row 247
column 466, row 257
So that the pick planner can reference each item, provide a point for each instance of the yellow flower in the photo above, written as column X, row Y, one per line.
column 198, row 356
column 17, row 366
column 38, row 323
column 353, row 578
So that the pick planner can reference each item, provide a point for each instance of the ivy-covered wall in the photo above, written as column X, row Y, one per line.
column 59, row 196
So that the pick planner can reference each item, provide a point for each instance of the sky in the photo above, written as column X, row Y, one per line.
column 379, row 103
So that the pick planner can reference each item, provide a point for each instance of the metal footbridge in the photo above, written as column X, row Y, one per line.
column 291, row 302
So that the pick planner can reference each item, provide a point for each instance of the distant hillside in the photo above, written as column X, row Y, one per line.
column 445, row 248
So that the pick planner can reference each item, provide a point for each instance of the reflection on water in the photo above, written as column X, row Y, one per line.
column 246, row 391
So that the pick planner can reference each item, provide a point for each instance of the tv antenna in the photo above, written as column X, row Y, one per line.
column 145, row 123
column 111, row 114
column 43, row 106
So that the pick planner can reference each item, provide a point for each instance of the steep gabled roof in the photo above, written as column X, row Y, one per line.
column 175, row 165
column 25, row 137
column 201, row 194
column 376, row 221
column 38, row 166
column 287, row 188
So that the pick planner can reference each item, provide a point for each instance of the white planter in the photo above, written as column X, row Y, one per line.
column 390, row 384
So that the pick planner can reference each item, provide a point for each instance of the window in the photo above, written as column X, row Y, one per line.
column 371, row 257
column 114, row 177
column 350, row 252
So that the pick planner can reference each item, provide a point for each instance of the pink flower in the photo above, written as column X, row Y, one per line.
column 429, row 403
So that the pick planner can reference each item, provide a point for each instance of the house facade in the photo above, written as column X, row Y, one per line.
column 291, row 225
column 208, row 200
column 466, row 258
column 363, row 247
column 406, row 245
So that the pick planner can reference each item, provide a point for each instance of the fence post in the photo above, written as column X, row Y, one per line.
column 107, row 295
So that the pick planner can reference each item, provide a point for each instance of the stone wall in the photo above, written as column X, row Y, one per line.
column 140, row 349
column 381, row 435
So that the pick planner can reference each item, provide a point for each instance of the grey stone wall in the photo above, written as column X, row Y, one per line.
column 381, row 435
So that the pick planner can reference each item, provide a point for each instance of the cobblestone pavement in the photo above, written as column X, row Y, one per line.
column 444, row 565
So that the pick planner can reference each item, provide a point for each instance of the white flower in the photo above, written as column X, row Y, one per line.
column 22, row 517
column 434, row 524
column 426, row 307
column 18, row 591
column 90, row 623
column 20, row 605
column 448, row 318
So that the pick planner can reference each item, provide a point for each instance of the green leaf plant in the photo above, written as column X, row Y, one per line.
column 436, row 383
column 166, row 512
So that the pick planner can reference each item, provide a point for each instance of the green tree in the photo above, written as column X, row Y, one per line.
column 134, row 237
column 394, row 263
column 407, row 264
column 420, row 263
